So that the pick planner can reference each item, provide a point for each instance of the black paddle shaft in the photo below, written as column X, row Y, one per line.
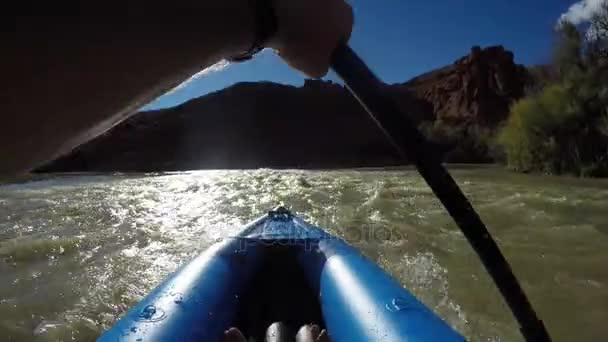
column 411, row 144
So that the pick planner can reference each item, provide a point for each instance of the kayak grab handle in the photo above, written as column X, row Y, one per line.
column 412, row 146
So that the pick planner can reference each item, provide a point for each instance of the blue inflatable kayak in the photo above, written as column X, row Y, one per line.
column 280, row 269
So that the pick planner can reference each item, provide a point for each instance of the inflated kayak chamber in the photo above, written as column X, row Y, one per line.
column 280, row 269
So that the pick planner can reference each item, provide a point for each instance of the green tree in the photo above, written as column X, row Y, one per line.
column 562, row 125
column 530, row 135
column 597, row 35
column 567, row 50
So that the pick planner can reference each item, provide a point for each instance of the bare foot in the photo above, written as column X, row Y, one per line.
column 312, row 333
column 234, row 335
column 277, row 332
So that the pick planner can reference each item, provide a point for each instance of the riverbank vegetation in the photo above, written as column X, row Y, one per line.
column 561, row 126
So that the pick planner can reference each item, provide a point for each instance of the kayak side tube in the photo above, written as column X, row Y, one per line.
column 196, row 303
column 361, row 302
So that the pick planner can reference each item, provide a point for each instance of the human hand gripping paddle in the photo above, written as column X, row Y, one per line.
column 411, row 146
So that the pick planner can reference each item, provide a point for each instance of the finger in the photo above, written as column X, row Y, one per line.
column 323, row 336
column 349, row 22
column 308, row 333
column 313, row 65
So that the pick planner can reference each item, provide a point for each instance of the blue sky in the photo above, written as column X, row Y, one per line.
column 400, row 39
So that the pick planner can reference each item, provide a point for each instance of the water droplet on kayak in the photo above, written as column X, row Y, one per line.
column 139, row 339
column 151, row 314
column 178, row 299
column 134, row 329
column 397, row 304
column 148, row 312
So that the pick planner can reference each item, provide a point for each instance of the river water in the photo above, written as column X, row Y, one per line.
column 76, row 251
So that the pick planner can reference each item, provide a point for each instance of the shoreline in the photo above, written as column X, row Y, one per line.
column 40, row 176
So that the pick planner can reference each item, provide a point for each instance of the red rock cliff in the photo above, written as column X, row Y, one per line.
column 477, row 88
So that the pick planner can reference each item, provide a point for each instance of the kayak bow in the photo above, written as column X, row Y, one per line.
column 280, row 269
